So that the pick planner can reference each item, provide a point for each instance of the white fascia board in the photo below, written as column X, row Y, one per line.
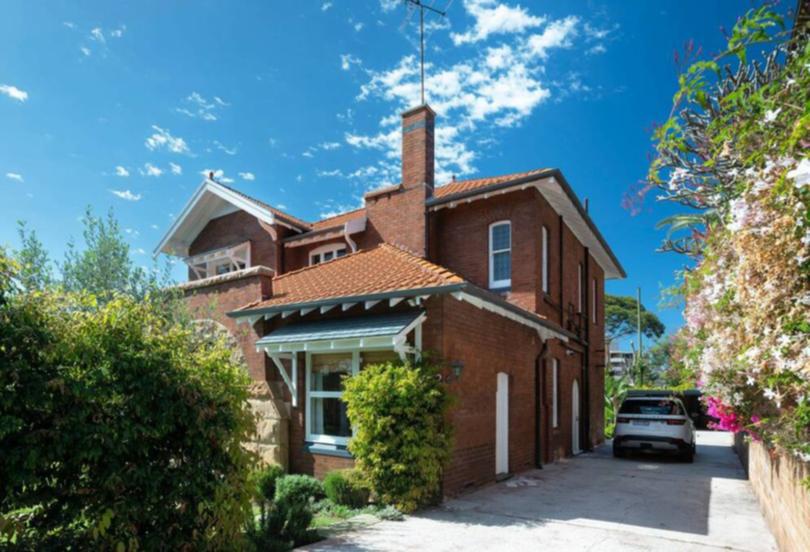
column 209, row 186
column 544, row 332
column 552, row 191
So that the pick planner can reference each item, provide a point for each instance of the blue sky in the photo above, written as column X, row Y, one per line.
column 124, row 105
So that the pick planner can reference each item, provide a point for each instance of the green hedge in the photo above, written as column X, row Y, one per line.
column 401, row 441
column 118, row 427
column 347, row 488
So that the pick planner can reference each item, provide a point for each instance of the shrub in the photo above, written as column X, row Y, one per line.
column 265, row 480
column 401, row 441
column 347, row 488
column 118, row 427
column 295, row 495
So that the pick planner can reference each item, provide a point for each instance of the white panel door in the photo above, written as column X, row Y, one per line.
column 502, row 425
column 575, row 418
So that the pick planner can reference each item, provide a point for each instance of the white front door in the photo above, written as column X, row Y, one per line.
column 575, row 418
column 502, row 425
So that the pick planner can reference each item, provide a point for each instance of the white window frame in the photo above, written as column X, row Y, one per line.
column 205, row 264
column 318, row 438
column 333, row 248
column 593, row 302
column 544, row 259
column 506, row 282
column 579, row 288
column 555, row 368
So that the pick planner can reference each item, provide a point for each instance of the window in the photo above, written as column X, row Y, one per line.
column 660, row 407
column 593, row 303
column 220, row 261
column 327, row 253
column 500, row 255
column 555, row 368
column 579, row 288
column 544, row 260
column 326, row 419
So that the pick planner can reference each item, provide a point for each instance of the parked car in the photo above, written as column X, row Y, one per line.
column 691, row 399
column 659, row 424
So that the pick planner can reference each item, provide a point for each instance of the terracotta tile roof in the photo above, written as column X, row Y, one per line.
column 385, row 268
column 461, row 186
column 277, row 212
column 338, row 220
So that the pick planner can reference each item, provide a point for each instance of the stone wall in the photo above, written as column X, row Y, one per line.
column 272, row 439
column 777, row 481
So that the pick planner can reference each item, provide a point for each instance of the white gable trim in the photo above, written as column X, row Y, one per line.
column 210, row 187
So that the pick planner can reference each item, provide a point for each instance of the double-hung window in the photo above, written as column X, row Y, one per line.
column 593, row 303
column 326, row 419
column 544, row 260
column 500, row 255
column 579, row 289
column 555, row 368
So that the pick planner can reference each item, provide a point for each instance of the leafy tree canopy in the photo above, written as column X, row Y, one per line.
column 621, row 319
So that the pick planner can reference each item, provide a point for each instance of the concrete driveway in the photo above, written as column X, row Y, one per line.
column 591, row 502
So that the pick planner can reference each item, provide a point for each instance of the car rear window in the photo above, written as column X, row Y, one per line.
column 651, row 406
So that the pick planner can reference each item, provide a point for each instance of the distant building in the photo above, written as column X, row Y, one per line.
column 620, row 363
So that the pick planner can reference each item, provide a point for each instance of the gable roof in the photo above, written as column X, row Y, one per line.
column 555, row 189
column 213, row 199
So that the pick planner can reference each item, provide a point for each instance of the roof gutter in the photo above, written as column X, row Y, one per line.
column 550, row 173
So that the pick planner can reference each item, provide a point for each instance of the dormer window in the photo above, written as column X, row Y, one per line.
column 327, row 253
column 220, row 261
column 500, row 255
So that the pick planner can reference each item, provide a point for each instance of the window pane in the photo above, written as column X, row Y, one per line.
column 329, row 418
column 328, row 256
column 328, row 370
column 367, row 358
column 501, row 237
column 341, row 252
column 223, row 268
column 502, row 266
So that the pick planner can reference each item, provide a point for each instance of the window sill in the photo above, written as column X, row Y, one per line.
column 501, row 290
column 327, row 450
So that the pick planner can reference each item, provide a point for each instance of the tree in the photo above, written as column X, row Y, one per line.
column 104, row 267
column 35, row 267
column 621, row 319
column 120, row 428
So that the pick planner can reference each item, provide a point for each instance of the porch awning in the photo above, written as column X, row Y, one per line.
column 379, row 330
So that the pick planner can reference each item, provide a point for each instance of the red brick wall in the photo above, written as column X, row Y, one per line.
column 233, row 229
column 216, row 300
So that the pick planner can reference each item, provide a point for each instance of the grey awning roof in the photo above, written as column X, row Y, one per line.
column 356, row 327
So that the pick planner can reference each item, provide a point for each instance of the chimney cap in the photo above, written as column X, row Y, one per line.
column 211, row 175
column 417, row 109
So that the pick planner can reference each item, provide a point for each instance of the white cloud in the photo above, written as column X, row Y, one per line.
column 98, row 35
column 347, row 60
column 229, row 151
column 329, row 145
column 247, row 176
column 557, row 34
column 332, row 173
column 119, row 32
column 219, row 175
column 162, row 139
column 196, row 106
column 597, row 49
column 598, row 36
column 15, row 176
column 126, row 194
column 140, row 251
column 175, row 168
column 69, row 24
column 121, row 171
column 85, row 50
column 326, row 5
column 150, row 170
column 357, row 26
column 495, row 18
column 13, row 92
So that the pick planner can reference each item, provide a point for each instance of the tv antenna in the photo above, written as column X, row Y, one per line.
column 418, row 4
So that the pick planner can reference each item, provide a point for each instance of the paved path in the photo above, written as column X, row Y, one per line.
column 592, row 502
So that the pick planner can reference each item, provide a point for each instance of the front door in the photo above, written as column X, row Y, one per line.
column 575, row 418
column 502, row 425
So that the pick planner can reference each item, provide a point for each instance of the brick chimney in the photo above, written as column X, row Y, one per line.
column 397, row 213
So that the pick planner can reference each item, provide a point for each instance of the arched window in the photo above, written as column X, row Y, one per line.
column 500, row 254
column 327, row 253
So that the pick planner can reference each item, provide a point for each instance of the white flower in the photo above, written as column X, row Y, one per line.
column 770, row 116
column 750, row 381
column 801, row 174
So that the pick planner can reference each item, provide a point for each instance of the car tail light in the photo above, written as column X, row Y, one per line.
column 676, row 422
column 621, row 420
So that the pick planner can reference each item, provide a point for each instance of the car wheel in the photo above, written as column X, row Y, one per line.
column 618, row 452
column 688, row 455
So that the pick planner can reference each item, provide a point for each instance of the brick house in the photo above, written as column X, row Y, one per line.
column 502, row 278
